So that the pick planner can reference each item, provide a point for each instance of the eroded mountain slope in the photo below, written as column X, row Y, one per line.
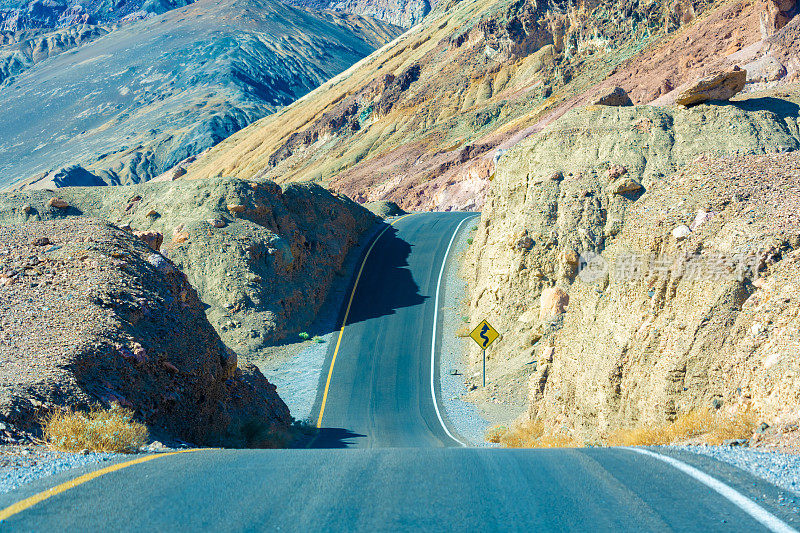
column 404, row 13
column 421, row 121
column 134, row 103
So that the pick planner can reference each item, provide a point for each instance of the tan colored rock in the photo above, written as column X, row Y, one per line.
column 547, row 354
column 554, row 301
column 720, row 86
column 27, row 208
column 236, row 208
column 217, row 222
column 58, row 203
column 625, row 186
column 152, row 213
column 180, row 237
column 775, row 14
column 153, row 239
column 570, row 257
column 613, row 96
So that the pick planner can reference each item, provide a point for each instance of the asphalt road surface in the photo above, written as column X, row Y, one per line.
column 384, row 460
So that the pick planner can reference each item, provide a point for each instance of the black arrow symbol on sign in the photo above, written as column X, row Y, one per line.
column 484, row 329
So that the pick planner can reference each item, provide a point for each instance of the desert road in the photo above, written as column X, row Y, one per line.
column 386, row 459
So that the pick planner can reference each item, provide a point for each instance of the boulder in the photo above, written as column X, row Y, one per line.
column 720, row 86
column 613, row 96
column 681, row 232
column 625, row 186
column 764, row 69
column 58, row 203
column 554, row 302
column 153, row 239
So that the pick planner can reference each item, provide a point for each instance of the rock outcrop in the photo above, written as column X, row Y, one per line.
column 613, row 96
column 404, row 13
column 679, row 291
column 91, row 315
column 718, row 86
column 775, row 14
column 262, row 258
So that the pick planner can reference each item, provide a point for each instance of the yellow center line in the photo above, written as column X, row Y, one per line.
column 346, row 314
column 58, row 489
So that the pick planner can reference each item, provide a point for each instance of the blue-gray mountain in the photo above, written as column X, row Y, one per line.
column 132, row 104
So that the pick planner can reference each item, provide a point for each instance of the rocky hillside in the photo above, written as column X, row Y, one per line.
column 133, row 104
column 262, row 258
column 90, row 314
column 422, row 121
column 404, row 13
column 17, row 15
column 640, row 264
column 22, row 49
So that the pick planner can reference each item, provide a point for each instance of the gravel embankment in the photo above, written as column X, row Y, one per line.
column 22, row 464
column 464, row 416
column 778, row 468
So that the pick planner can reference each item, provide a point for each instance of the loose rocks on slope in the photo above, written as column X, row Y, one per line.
column 90, row 314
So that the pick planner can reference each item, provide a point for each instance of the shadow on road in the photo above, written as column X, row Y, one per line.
column 334, row 438
column 386, row 283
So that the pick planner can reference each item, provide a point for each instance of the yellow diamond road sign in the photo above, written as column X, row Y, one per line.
column 484, row 334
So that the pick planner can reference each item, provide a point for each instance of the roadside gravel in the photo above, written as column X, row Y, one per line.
column 778, row 468
column 22, row 464
column 453, row 364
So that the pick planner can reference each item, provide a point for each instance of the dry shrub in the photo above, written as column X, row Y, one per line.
column 703, row 425
column 463, row 331
column 528, row 434
column 100, row 430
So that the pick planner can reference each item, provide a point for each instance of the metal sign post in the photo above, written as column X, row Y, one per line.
column 484, row 335
column 484, row 368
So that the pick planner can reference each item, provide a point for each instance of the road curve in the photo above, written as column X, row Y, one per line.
column 379, row 391
column 396, row 468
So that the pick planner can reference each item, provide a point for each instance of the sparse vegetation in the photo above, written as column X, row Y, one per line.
column 470, row 241
column 703, row 425
column 304, row 336
column 474, row 228
column 529, row 434
column 99, row 430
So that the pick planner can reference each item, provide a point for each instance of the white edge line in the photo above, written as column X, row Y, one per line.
column 433, row 337
column 767, row 519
